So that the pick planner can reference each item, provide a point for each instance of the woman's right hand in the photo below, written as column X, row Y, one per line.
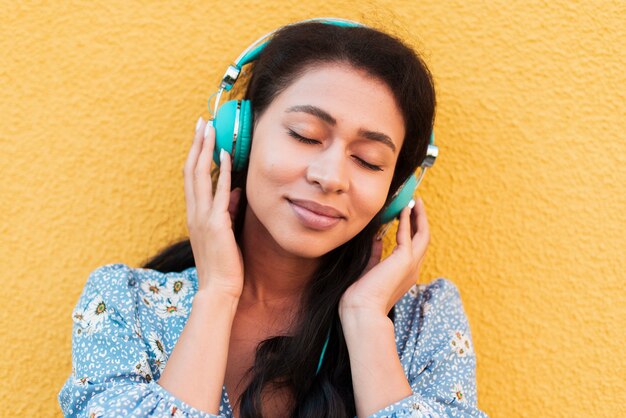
column 219, row 263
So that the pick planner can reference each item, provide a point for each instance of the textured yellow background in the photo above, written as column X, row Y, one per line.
column 99, row 102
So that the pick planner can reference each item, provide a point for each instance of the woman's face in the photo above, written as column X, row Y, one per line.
column 354, row 132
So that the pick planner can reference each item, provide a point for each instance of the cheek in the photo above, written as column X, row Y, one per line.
column 269, row 175
column 270, row 169
column 368, row 195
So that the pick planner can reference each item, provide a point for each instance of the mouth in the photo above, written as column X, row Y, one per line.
column 308, row 213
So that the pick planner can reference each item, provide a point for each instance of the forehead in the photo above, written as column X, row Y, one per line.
column 352, row 97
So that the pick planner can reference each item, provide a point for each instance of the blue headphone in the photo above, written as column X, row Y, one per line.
column 234, row 120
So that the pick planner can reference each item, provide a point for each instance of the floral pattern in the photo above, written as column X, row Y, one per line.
column 91, row 318
column 142, row 368
column 158, row 348
column 461, row 344
column 166, row 297
column 96, row 412
column 127, row 321
column 458, row 391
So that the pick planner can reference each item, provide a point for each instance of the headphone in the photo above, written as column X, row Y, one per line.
column 234, row 120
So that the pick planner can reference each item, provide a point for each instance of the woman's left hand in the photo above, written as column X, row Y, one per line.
column 384, row 283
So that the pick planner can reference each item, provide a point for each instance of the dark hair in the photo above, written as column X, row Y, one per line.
column 290, row 361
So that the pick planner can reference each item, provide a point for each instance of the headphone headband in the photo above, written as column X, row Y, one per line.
column 252, row 52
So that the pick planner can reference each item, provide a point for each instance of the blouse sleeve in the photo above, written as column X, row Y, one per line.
column 111, row 375
column 441, row 367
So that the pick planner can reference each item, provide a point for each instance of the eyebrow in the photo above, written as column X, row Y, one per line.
column 326, row 117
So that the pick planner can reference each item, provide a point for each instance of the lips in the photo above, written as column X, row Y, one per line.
column 323, row 210
column 315, row 216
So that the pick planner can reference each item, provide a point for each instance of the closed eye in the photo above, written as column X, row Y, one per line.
column 303, row 139
column 361, row 162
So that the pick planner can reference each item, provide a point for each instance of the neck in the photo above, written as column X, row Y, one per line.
column 274, row 279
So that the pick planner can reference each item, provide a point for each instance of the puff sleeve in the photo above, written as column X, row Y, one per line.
column 111, row 370
column 437, row 355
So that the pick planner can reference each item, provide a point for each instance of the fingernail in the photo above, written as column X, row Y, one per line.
column 206, row 129
column 222, row 155
column 199, row 123
column 411, row 204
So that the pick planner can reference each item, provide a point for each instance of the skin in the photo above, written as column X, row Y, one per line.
column 280, row 252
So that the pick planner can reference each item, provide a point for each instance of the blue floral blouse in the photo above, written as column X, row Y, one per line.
column 127, row 321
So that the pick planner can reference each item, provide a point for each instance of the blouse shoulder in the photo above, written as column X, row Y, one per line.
column 112, row 278
column 445, row 319
column 430, row 319
column 435, row 310
column 120, row 344
column 105, row 294
column 105, row 278
column 437, row 299
column 117, row 290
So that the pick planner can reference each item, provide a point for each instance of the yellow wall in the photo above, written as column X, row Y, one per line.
column 99, row 102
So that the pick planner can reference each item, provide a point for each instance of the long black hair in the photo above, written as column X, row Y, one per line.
column 290, row 361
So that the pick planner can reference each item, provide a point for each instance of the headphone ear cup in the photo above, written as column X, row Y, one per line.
column 242, row 147
column 224, row 124
column 402, row 199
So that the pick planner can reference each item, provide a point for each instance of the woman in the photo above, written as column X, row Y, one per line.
column 293, row 313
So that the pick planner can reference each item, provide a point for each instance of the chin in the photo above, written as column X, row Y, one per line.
column 303, row 242
column 306, row 245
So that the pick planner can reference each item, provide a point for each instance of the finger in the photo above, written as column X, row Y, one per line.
column 203, row 187
column 413, row 222
column 422, row 237
column 222, row 190
column 190, row 163
column 403, row 235
column 233, row 204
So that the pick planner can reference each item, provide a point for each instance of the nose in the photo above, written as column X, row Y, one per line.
column 329, row 170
